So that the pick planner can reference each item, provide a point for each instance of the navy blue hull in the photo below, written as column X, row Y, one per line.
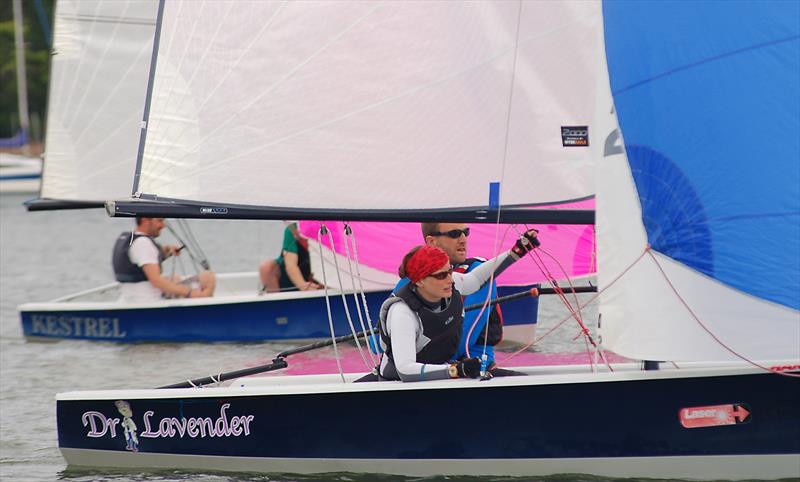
column 595, row 419
column 243, row 321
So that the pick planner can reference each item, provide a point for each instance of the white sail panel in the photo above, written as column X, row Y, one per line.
column 99, row 74
column 362, row 105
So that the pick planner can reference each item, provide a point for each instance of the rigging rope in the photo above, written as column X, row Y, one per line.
column 322, row 229
column 348, row 233
column 706, row 329
column 344, row 301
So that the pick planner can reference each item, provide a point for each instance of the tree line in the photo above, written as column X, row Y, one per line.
column 37, row 23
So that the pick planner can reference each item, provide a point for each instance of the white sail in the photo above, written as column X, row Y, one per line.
column 99, row 72
column 372, row 105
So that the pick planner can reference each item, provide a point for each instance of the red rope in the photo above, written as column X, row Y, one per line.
column 710, row 333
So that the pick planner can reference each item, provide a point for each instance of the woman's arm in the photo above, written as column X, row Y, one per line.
column 468, row 283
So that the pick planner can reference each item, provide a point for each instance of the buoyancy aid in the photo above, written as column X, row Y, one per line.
column 124, row 270
column 303, row 259
column 495, row 332
column 441, row 329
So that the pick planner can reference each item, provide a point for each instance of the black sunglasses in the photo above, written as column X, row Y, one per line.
column 453, row 233
column 442, row 275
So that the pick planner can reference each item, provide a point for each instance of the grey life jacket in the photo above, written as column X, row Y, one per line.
column 124, row 270
column 441, row 330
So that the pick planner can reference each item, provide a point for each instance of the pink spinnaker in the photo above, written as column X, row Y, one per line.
column 566, row 250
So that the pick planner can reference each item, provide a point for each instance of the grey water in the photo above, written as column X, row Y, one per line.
column 50, row 254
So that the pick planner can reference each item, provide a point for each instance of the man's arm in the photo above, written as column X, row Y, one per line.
column 166, row 285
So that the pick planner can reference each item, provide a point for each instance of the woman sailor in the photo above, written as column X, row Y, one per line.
column 420, row 326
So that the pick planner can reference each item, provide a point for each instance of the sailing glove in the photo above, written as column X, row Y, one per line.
column 526, row 243
column 467, row 368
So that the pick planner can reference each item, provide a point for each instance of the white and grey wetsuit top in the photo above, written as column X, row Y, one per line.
column 405, row 328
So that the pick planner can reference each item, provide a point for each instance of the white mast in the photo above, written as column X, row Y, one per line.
column 22, row 84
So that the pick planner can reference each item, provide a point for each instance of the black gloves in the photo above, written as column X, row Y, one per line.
column 525, row 243
column 467, row 368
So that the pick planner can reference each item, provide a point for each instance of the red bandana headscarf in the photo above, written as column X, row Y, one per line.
column 425, row 262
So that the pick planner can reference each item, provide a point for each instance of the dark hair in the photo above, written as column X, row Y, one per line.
column 428, row 229
column 401, row 271
column 139, row 219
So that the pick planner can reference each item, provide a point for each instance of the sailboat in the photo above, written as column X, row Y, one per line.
column 100, row 71
column 99, row 74
column 489, row 112
column 19, row 173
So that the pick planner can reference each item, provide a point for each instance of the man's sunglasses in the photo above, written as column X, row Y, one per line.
column 453, row 233
column 442, row 275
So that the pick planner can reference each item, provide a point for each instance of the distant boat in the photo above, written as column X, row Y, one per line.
column 102, row 55
column 19, row 174
column 673, row 113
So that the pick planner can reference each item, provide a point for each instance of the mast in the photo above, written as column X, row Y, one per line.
column 22, row 83
column 148, row 99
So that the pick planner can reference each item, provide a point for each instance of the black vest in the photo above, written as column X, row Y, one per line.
column 495, row 333
column 124, row 270
column 304, row 262
column 442, row 328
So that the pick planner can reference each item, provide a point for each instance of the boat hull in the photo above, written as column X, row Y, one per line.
column 616, row 424
column 287, row 316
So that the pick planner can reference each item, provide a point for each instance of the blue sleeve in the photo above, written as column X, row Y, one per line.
column 470, row 317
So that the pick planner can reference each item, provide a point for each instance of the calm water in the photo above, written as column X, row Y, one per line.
column 46, row 255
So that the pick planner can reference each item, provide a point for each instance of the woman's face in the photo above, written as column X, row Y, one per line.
column 433, row 289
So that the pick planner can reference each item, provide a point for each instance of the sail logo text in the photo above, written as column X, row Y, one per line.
column 168, row 427
column 575, row 136
column 78, row 326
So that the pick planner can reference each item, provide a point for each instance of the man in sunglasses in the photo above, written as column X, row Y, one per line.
column 421, row 325
column 452, row 239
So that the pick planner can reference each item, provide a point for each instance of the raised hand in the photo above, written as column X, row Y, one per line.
column 526, row 243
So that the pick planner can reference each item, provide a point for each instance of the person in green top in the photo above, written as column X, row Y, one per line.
column 292, row 269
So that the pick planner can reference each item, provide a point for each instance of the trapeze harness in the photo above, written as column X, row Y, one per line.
column 442, row 328
column 495, row 332
column 124, row 270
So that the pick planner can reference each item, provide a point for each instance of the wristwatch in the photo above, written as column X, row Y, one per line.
column 452, row 371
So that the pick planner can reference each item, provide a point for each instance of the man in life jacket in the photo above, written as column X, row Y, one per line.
column 292, row 268
column 452, row 239
column 137, row 259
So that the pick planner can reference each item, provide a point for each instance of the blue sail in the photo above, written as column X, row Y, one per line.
column 708, row 99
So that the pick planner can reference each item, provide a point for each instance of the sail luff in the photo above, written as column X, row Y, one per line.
column 148, row 98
